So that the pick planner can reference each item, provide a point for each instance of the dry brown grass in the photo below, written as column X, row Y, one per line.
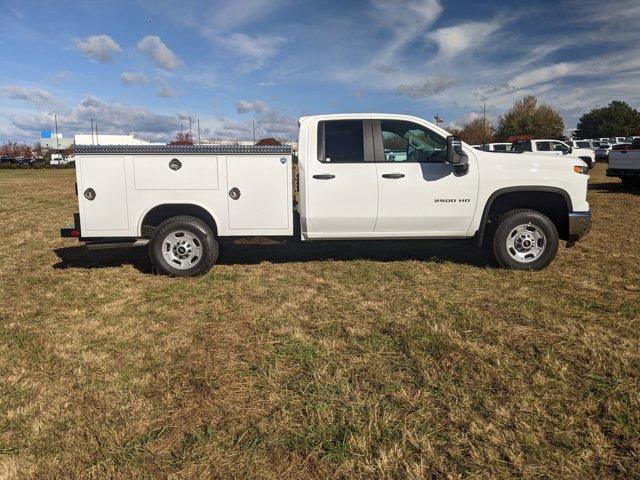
column 346, row 360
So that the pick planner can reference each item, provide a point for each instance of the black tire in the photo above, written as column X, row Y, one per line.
column 194, row 230
column 537, row 222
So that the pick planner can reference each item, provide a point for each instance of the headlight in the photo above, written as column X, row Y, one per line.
column 583, row 169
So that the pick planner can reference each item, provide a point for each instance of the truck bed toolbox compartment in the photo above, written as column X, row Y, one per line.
column 175, row 172
column 247, row 190
column 259, row 192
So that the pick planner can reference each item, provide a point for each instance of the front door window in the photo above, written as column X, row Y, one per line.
column 409, row 142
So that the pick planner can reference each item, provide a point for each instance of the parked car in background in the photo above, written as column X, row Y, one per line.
column 58, row 159
column 582, row 144
column 624, row 163
column 602, row 152
column 26, row 161
column 496, row 147
column 554, row 147
column 5, row 160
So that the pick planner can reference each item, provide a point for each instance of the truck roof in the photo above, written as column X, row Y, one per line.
column 376, row 116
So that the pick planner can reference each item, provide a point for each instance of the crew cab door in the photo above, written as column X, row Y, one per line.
column 341, row 185
column 419, row 194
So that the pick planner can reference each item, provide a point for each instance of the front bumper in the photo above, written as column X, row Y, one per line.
column 623, row 172
column 579, row 225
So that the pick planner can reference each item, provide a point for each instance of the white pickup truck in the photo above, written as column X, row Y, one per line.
column 357, row 176
column 624, row 163
column 554, row 147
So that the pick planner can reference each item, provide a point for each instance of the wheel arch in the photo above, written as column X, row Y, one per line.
column 157, row 214
column 540, row 198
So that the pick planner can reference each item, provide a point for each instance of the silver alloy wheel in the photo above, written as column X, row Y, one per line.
column 525, row 243
column 181, row 249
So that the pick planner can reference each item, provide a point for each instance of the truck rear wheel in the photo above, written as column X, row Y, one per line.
column 183, row 246
column 525, row 240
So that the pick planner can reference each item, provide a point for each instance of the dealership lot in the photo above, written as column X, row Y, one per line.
column 360, row 359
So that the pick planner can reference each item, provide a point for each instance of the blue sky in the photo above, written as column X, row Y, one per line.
column 143, row 66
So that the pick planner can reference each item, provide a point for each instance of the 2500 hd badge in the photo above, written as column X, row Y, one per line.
column 452, row 200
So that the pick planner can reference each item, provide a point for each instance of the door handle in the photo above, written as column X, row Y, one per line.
column 393, row 175
column 324, row 176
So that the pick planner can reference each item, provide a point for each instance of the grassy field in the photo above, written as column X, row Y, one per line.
column 340, row 360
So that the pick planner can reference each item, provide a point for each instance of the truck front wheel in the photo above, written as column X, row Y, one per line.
column 183, row 246
column 525, row 240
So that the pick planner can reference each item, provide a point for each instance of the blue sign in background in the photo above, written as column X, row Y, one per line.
column 45, row 134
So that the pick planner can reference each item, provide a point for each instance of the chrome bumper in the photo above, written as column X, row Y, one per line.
column 579, row 225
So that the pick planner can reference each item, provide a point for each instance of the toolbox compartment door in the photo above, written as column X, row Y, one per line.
column 107, row 210
column 175, row 172
column 259, row 195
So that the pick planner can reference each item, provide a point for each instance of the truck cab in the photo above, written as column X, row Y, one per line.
column 357, row 177
column 624, row 163
column 555, row 147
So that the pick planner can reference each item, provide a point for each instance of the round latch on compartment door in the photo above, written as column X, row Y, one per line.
column 90, row 194
column 175, row 164
column 234, row 193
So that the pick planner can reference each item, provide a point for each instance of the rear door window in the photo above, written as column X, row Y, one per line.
column 544, row 146
column 341, row 141
column 522, row 146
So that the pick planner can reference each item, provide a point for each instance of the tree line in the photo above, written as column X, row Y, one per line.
column 182, row 138
column 528, row 118
column 15, row 150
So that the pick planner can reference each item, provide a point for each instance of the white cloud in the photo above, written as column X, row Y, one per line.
column 111, row 117
column 100, row 48
column 462, row 37
column 257, row 107
column 255, row 50
column 406, row 19
column 433, row 85
column 153, row 47
column 165, row 90
column 33, row 95
column 545, row 74
column 267, row 124
column 132, row 78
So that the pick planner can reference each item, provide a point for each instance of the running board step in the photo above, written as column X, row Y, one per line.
column 119, row 243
